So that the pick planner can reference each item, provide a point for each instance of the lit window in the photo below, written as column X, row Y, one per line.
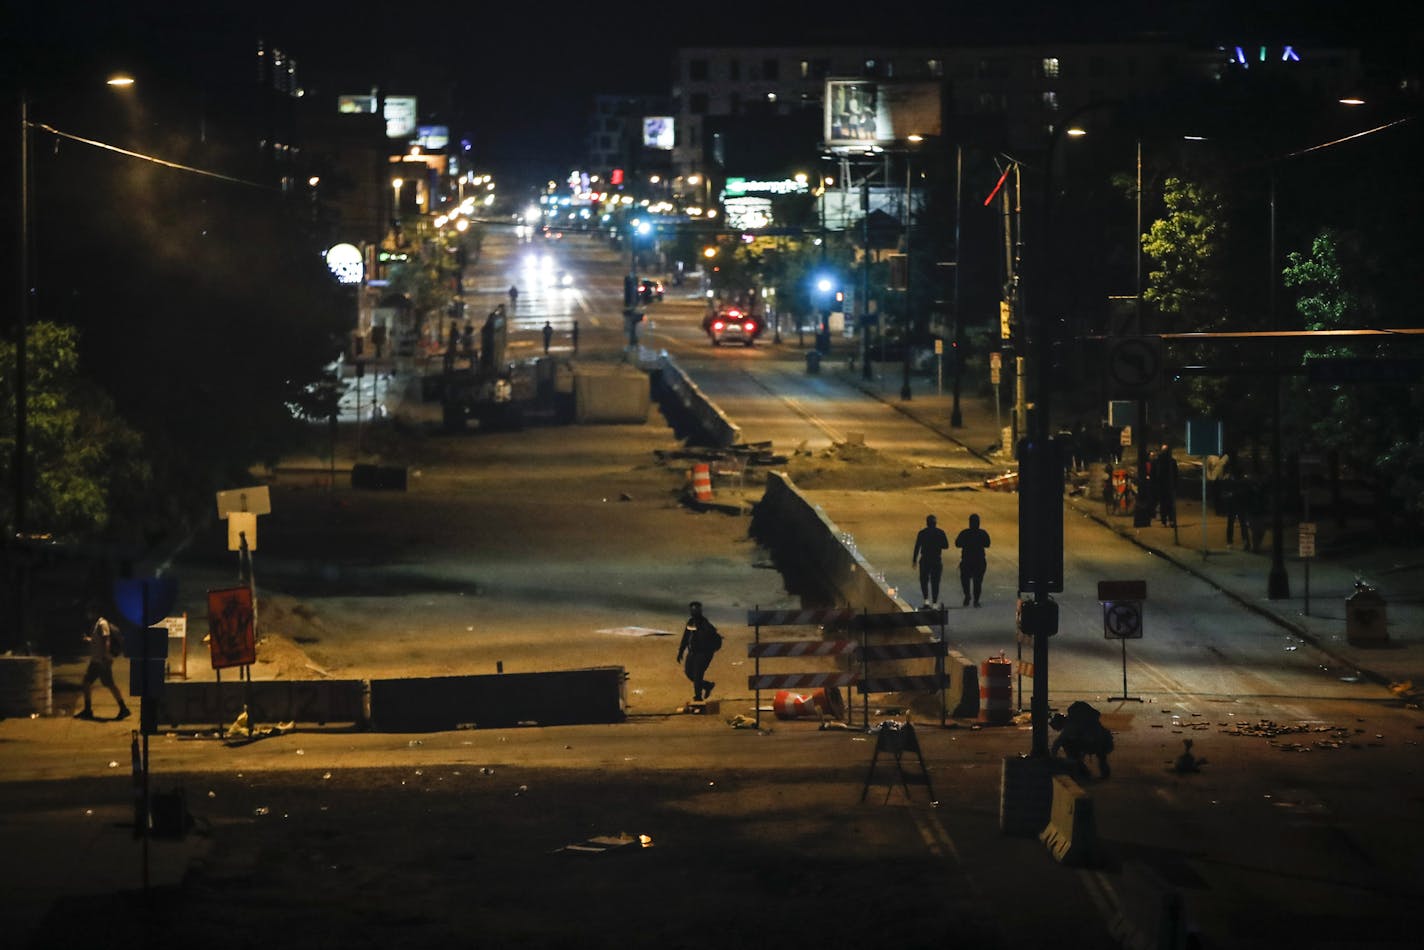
column 935, row 67
column 1050, row 67
column 1050, row 101
column 771, row 97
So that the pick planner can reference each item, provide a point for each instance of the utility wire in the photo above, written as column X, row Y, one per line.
column 147, row 158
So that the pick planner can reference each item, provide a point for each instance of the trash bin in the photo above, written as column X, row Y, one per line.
column 1365, row 616
column 813, row 361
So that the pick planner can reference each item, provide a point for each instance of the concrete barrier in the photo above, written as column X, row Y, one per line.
column 26, row 686
column 814, row 556
column 564, row 697
column 320, row 702
column 604, row 394
column 1025, row 796
column 714, row 428
column 1072, row 831
column 1151, row 914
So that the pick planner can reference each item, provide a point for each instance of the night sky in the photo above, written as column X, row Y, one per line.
column 517, row 78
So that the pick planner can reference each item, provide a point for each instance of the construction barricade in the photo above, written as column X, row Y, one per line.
column 758, row 650
column 888, row 652
column 791, row 705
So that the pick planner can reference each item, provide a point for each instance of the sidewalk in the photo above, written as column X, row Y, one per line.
column 1397, row 574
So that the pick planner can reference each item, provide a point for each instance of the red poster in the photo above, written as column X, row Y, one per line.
column 230, row 629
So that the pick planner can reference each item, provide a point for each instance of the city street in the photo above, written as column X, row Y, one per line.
column 565, row 547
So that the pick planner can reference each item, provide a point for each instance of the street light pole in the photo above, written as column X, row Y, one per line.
column 956, row 417
column 22, row 321
column 908, row 317
column 1277, row 582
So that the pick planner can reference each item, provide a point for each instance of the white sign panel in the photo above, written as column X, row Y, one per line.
column 241, row 525
column 256, row 499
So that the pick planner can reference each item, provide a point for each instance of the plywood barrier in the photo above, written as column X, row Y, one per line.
column 564, row 697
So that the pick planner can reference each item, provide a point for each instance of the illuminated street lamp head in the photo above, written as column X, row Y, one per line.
column 120, row 80
column 1076, row 132
column 915, row 137
column 1352, row 101
column 643, row 227
column 824, row 285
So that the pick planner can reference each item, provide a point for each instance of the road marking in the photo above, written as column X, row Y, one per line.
column 796, row 406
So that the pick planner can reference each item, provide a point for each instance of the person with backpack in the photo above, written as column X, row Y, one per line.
column 700, row 640
column 105, row 643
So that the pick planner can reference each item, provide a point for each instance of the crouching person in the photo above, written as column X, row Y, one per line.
column 1081, row 733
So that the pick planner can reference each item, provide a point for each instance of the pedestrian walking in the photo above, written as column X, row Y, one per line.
column 574, row 335
column 972, row 542
column 930, row 544
column 104, row 644
column 548, row 335
column 1164, row 485
column 700, row 640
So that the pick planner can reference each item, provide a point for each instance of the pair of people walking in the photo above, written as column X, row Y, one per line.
column 930, row 544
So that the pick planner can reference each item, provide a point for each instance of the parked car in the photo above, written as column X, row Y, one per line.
column 650, row 289
column 734, row 324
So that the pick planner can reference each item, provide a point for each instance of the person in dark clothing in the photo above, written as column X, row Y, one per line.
column 929, row 544
column 1164, row 485
column 574, row 336
column 1081, row 733
column 548, row 335
column 700, row 640
column 1232, row 490
column 972, row 542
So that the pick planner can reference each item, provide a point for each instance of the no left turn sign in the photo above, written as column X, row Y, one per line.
column 1135, row 363
column 1122, row 620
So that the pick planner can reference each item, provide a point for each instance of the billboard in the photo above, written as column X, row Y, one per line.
column 400, row 117
column 658, row 132
column 364, row 104
column 868, row 112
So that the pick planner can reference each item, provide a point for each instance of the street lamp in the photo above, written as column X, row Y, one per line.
column 395, row 207
column 23, row 313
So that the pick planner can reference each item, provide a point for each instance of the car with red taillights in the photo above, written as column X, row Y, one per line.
column 732, row 324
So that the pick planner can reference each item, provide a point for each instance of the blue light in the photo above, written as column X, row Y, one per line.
column 1288, row 55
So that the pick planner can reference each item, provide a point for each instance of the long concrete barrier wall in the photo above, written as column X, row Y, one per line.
column 319, row 702
column 715, row 428
column 811, row 550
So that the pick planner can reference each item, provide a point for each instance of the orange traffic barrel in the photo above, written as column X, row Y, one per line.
column 702, row 481
column 822, row 703
column 996, row 691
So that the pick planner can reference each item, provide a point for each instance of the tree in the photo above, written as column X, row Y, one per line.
column 83, row 459
column 1188, row 246
column 1375, row 430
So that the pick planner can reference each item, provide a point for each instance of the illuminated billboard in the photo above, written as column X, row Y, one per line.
column 400, row 117
column 364, row 104
column 657, row 132
column 867, row 112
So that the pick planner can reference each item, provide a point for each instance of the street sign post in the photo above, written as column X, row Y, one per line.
column 1122, row 620
column 1307, row 552
column 1204, row 437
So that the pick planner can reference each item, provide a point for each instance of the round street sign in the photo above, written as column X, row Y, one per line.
column 1122, row 620
column 1135, row 362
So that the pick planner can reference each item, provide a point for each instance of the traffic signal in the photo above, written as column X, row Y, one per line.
column 1041, row 466
column 1039, row 618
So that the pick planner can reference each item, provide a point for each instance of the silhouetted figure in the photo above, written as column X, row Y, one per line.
column 700, row 640
column 972, row 542
column 930, row 544
column 1164, row 485
column 1081, row 733
column 548, row 336
column 573, row 334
